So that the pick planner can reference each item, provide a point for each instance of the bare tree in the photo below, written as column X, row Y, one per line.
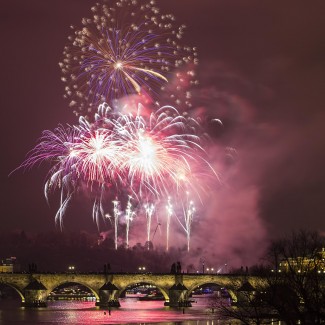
column 297, row 278
column 249, row 308
column 292, row 284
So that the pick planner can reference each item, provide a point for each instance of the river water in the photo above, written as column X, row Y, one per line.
column 132, row 311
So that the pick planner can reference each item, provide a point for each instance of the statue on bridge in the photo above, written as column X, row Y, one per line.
column 176, row 268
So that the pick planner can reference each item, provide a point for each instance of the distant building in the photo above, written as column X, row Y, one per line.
column 304, row 264
column 9, row 265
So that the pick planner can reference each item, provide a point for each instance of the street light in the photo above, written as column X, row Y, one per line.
column 202, row 260
column 71, row 268
column 142, row 268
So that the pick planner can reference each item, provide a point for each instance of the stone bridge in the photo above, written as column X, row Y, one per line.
column 107, row 288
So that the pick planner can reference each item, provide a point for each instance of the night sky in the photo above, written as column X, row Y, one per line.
column 261, row 71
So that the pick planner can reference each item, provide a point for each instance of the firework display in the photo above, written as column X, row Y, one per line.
column 147, row 156
column 131, row 160
column 127, row 47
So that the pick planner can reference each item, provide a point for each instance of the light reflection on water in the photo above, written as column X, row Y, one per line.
column 132, row 311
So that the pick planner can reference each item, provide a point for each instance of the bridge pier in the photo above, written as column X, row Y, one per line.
column 246, row 293
column 178, row 296
column 35, row 295
column 107, row 296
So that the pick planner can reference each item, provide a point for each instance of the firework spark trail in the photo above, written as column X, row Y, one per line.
column 170, row 212
column 129, row 214
column 188, row 214
column 126, row 48
column 149, row 210
column 98, row 209
column 117, row 212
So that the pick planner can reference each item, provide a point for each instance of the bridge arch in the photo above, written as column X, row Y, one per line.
column 230, row 291
column 135, row 284
column 69, row 282
column 21, row 295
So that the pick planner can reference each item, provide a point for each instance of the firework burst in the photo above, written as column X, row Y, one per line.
column 148, row 156
column 126, row 48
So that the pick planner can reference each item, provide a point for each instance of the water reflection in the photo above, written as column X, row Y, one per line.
column 132, row 311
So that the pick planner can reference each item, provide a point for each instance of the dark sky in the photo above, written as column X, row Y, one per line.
column 261, row 71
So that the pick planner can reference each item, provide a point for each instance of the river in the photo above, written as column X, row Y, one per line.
column 132, row 311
